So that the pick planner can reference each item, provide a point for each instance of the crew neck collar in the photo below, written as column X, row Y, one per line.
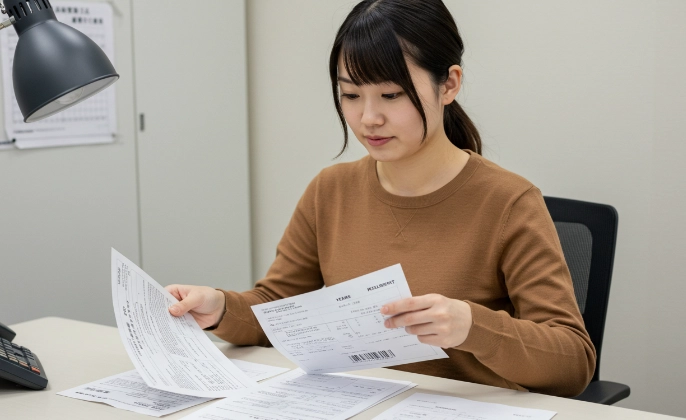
column 425, row 200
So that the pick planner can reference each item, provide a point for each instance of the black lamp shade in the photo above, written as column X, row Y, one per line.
column 55, row 66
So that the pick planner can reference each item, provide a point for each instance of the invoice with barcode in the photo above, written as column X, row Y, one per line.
column 340, row 328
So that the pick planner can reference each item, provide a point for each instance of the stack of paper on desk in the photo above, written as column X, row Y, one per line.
column 427, row 406
column 128, row 391
column 297, row 395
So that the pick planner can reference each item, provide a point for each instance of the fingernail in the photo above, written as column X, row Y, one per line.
column 384, row 309
column 386, row 324
column 175, row 309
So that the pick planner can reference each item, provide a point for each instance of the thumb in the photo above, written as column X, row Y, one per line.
column 191, row 302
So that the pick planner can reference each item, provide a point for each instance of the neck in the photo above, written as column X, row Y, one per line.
column 426, row 171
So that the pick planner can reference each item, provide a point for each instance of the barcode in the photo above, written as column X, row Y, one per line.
column 374, row 355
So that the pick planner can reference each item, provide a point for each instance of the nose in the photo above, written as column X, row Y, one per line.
column 371, row 114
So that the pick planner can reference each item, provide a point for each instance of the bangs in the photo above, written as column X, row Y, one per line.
column 372, row 53
column 376, row 43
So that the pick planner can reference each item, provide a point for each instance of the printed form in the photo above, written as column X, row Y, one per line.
column 128, row 391
column 172, row 354
column 297, row 395
column 340, row 328
column 428, row 406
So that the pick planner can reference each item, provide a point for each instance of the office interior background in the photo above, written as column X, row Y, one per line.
column 225, row 115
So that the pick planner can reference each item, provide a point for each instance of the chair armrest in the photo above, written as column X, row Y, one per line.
column 604, row 392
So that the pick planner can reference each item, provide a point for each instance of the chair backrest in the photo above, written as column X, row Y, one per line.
column 588, row 234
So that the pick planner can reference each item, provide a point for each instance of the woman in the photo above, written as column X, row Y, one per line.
column 476, row 243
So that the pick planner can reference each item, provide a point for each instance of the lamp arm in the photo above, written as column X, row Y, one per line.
column 8, row 22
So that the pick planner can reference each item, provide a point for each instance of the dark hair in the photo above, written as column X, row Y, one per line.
column 378, row 35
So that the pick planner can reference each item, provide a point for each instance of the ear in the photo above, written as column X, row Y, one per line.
column 452, row 85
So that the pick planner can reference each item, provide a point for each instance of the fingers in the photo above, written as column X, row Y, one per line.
column 415, row 303
column 432, row 340
column 434, row 319
column 409, row 318
column 430, row 334
column 421, row 329
column 174, row 290
column 190, row 302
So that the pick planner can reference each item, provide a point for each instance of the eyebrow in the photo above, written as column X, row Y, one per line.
column 343, row 79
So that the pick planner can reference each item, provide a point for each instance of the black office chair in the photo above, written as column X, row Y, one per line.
column 588, row 234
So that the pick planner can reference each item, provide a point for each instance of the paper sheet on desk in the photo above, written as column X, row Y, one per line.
column 296, row 396
column 128, row 391
column 257, row 371
column 429, row 406
column 172, row 354
column 340, row 328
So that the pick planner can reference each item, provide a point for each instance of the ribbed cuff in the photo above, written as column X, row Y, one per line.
column 227, row 325
column 239, row 325
column 221, row 318
column 486, row 332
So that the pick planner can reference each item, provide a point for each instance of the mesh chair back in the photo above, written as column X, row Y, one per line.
column 588, row 234
column 577, row 243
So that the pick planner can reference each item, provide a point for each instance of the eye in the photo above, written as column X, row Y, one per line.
column 349, row 96
column 391, row 95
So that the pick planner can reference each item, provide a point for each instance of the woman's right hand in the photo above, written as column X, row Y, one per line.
column 205, row 304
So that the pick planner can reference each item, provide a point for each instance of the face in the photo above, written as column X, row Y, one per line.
column 385, row 121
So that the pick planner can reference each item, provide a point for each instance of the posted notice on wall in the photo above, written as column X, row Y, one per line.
column 89, row 122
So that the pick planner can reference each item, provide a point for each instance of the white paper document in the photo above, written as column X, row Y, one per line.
column 340, row 328
column 93, row 120
column 428, row 406
column 172, row 354
column 296, row 396
column 128, row 391
column 258, row 371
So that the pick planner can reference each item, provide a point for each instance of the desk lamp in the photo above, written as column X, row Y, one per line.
column 55, row 66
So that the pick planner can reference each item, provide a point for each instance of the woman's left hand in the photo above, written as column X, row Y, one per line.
column 433, row 318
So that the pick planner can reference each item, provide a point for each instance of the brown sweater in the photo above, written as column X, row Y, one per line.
column 486, row 237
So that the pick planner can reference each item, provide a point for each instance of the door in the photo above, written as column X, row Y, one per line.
column 191, row 101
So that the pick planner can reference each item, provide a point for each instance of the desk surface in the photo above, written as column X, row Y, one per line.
column 74, row 353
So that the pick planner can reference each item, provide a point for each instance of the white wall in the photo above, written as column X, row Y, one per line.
column 294, row 130
column 584, row 98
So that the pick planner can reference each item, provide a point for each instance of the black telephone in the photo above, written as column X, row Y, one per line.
column 18, row 364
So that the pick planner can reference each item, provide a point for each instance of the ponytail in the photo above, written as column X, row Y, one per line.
column 460, row 129
column 377, row 39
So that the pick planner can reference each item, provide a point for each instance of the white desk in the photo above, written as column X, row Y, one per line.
column 74, row 353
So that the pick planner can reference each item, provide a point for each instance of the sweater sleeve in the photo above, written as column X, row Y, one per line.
column 544, row 346
column 294, row 271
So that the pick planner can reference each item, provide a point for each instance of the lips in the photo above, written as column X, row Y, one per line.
column 377, row 140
